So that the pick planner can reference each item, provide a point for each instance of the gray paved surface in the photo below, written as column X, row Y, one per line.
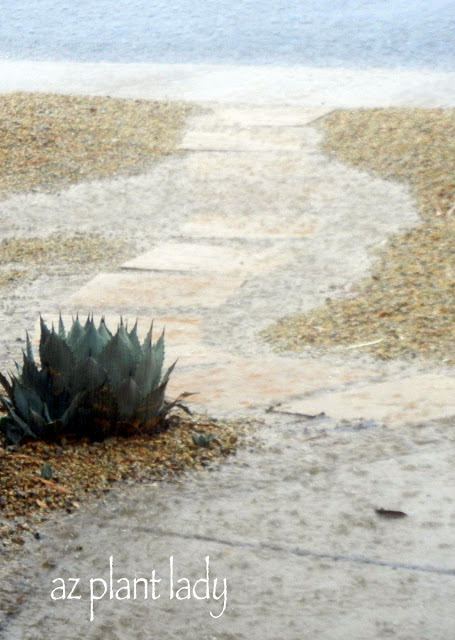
column 391, row 33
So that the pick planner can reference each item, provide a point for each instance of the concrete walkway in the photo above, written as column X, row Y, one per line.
column 267, row 226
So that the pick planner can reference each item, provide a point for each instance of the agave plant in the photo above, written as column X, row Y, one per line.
column 91, row 383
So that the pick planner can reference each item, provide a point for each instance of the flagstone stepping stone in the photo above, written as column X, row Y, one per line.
column 186, row 256
column 247, row 383
column 243, row 226
column 408, row 401
column 246, row 139
column 140, row 290
column 259, row 116
column 277, row 168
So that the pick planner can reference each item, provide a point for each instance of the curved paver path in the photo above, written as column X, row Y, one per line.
column 256, row 223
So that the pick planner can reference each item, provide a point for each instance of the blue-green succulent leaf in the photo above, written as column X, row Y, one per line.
column 90, row 343
column 45, row 333
column 152, row 405
column 25, row 400
column 167, row 375
column 116, row 358
column 86, row 375
column 46, row 413
column 124, row 336
column 6, row 384
column 22, row 424
column 61, row 328
column 37, row 424
column 104, row 332
column 148, row 338
column 57, row 357
column 135, row 344
column 74, row 333
column 30, row 375
column 127, row 397
column 148, row 373
column 28, row 349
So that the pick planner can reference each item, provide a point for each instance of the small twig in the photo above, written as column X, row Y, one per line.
column 24, row 456
column 365, row 344
column 316, row 437
column 57, row 487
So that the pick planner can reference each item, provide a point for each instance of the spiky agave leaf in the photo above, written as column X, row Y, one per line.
column 6, row 384
column 85, row 376
column 117, row 358
column 148, row 371
column 25, row 400
column 74, row 333
column 154, row 403
column 125, row 337
column 90, row 343
column 28, row 348
column 45, row 333
column 61, row 328
column 127, row 394
column 17, row 408
column 30, row 374
column 58, row 360
column 13, row 426
column 103, row 331
column 135, row 344
column 158, row 349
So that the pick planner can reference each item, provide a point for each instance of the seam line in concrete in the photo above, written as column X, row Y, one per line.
column 304, row 553
column 286, row 152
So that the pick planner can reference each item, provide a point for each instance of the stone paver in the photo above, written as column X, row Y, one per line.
column 186, row 256
column 152, row 290
column 408, row 401
column 259, row 116
column 261, row 381
column 249, row 139
column 242, row 226
column 264, row 169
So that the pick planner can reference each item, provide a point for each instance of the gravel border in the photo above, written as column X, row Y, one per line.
column 405, row 309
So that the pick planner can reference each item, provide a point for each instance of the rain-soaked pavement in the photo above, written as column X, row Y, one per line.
column 316, row 33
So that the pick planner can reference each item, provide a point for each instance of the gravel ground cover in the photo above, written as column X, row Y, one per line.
column 405, row 308
column 41, row 478
column 49, row 141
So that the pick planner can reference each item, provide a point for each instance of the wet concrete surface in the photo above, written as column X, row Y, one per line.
column 358, row 34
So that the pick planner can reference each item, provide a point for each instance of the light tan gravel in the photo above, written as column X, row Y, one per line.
column 49, row 141
column 406, row 308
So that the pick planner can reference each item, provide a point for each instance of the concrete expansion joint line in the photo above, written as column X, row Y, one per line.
column 258, row 151
column 297, row 551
